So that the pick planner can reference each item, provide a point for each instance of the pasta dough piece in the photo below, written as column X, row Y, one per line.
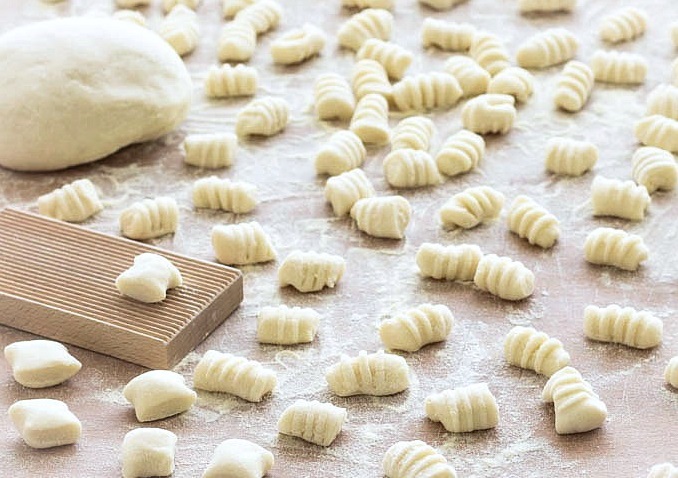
column 158, row 394
column 671, row 372
column 238, row 458
column 578, row 409
column 148, row 452
column 311, row 271
column 427, row 91
column 180, row 29
column 370, row 23
column 394, row 58
column 532, row 222
column 287, row 326
column 489, row 113
column 414, row 132
column 658, row 131
column 265, row 116
column 618, row 67
column 298, row 45
column 217, row 193
column 45, row 423
column 344, row 190
column 614, row 197
column 237, row 42
column 416, row 327
column 369, row 77
column 460, row 153
column 149, row 278
column 614, row 247
column 362, row 4
column 262, row 15
column 447, row 36
column 239, row 244
column 230, row 8
column 333, row 97
column 574, row 86
column 376, row 374
column 473, row 79
column 150, row 218
column 168, row 5
column 527, row 348
column 513, row 81
column 655, row 169
column 464, row 409
column 370, row 120
column 570, row 157
column 132, row 16
column 547, row 48
column 542, row 6
column 415, row 459
column 386, row 216
column 663, row 470
column 448, row 262
column 441, row 4
column 638, row 329
column 211, row 150
column 343, row 152
column 663, row 100
column 228, row 81
column 472, row 206
column 623, row 25
column 411, row 168
column 490, row 52
column 504, row 277
column 74, row 202
column 315, row 422
column 227, row 373
column 40, row 363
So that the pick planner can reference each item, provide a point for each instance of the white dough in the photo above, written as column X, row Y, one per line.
column 158, row 394
column 45, row 423
column 149, row 278
column 102, row 84
column 148, row 452
column 237, row 458
column 40, row 363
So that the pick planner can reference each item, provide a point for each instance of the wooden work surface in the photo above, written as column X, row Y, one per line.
column 382, row 278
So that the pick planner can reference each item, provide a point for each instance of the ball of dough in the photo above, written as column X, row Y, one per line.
column 75, row 90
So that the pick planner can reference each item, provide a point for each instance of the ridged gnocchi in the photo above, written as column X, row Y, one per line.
column 623, row 25
column 237, row 42
column 490, row 52
column 416, row 327
column 532, row 222
column 149, row 218
column 414, row 132
column 663, row 100
column 212, row 192
column 464, row 409
column 385, row 216
column 547, row 48
column 227, row 373
column 369, row 77
column 344, row 190
column 168, row 5
column 343, row 152
column 460, row 153
column 574, row 86
column 264, row 116
column 312, row 421
column 240, row 244
column 284, row 325
column 448, row 262
column 333, row 97
column 426, row 91
column 614, row 247
column 530, row 349
column 489, row 113
column 227, row 81
column 180, row 29
column 655, row 169
column 415, row 459
column 542, row 6
column 447, row 36
column 504, row 277
column 623, row 199
column 622, row 325
column 658, row 131
column 229, row 8
column 298, row 45
column 410, row 168
column 311, row 271
column 370, row 120
column 210, row 150
column 570, row 157
column 618, row 67
column 394, row 58
column 74, row 202
column 376, row 374
column 473, row 79
column 472, row 206
column 262, row 15
column 513, row 81
column 370, row 23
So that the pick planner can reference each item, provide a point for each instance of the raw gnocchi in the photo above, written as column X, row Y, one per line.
column 513, row 81
column 229, row 8
column 228, row 81
column 237, row 42
column 370, row 120
column 618, row 67
column 663, row 100
column 622, row 325
column 150, row 218
column 671, row 372
column 416, row 327
column 410, row 168
column 264, row 116
column 344, row 190
column 40, row 363
column 284, row 325
column 149, row 278
column 489, row 113
column 362, row 4
column 158, row 394
column 376, row 374
column 168, row 5
column 530, row 6
column 370, row 23
column 547, row 48
column 464, row 409
column 210, row 150
column 311, row 271
column 262, row 15
column 658, row 131
column 386, row 216
column 448, row 262
column 240, row 244
column 222, row 193
column 663, row 470
column 369, row 77
column 570, row 157
column 240, row 459
column 614, row 247
column 298, row 45
column 473, row 79
column 180, row 29
column 426, row 91
column 312, row 421
column 614, row 197
column 447, row 36
column 490, row 52
column 45, row 423
column 655, row 169
column 574, row 86
column 333, row 97
column 504, row 277
column 415, row 459
column 532, row 222
column 470, row 207
column 148, row 452
column 394, row 58
column 227, row 373
column 527, row 348
column 441, row 4
column 74, row 202
column 623, row 25
column 460, row 153
column 414, row 132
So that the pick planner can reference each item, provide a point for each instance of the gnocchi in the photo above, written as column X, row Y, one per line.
column 622, row 325
column 262, row 15
column 414, row 459
column 623, row 25
column 240, row 459
column 570, row 157
column 287, row 325
column 504, row 277
column 394, row 58
column 448, row 262
column 618, row 67
column 369, row 77
column 410, row 168
column 168, row 5
column 658, row 131
column 385, row 4
column 45, row 423
column 344, row 190
column 547, row 48
column 614, row 197
column 312, row 421
column 460, row 153
column 464, row 409
column 655, row 169
column 447, row 36
column 663, row 470
column 386, row 216
column 414, row 132
column 671, row 372
column 471, row 207
column 490, row 52
column 265, row 116
column 148, row 452
column 370, row 120
column 229, row 8
column 180, row 29
column 614, row 247
column 532, row 222
column 333, row 97
column 211, row 150
column 150, row 218
column 298, row 45
column 227, row 373
column 74, row 202
column 663, row 100
column 217, row 193
column 237, row 42
column 416, row 327
column 441, row 4
column 40, row 363
column 426, row 91
column 158, row 394
column 513, row 81
column 343, row 152
column 311, row 271
column 370, row 23
column 530, row 6
column 473, row 79
column 376, row 374
column 240, row 244
column 574, row 86
column 228, row 81
column 527, row 348
column 149, row 278
column 489, row 113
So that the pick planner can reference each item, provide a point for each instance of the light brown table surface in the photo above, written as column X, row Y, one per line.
column 382, row 277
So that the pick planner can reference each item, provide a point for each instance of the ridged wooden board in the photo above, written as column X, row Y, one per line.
column 58, row 280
